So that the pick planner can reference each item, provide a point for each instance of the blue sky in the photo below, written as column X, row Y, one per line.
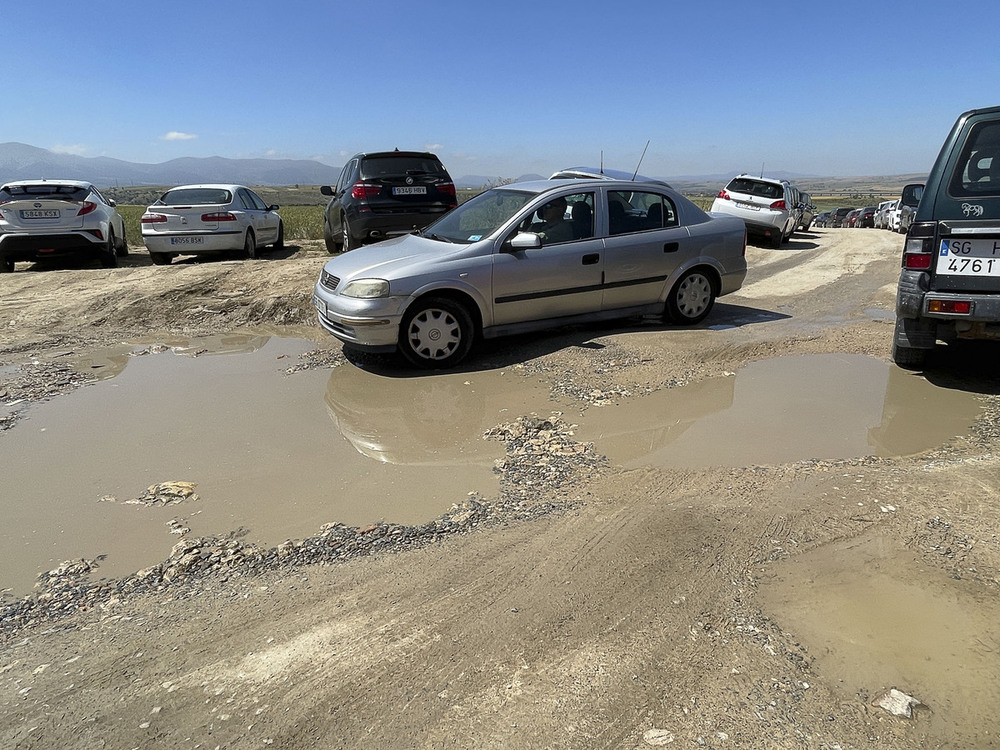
column 501, row 89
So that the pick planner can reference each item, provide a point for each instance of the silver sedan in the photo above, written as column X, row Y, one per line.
column 209, row 219
column 529, row 256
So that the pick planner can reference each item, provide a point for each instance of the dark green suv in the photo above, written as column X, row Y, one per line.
column 949, row 287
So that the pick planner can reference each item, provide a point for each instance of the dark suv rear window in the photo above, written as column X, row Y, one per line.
column 389, row 166
column 977, row 171
column 756, row 187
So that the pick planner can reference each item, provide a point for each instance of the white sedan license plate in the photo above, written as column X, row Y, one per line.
column 187, row 240
column 47, row 213
column 969, row 257
column 414, row 190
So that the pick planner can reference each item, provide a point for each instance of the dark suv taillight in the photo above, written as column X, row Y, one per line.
column 362, row 190
column 448, row 188
column 918, row 252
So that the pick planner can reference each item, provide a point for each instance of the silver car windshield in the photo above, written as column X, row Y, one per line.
column 479, row 217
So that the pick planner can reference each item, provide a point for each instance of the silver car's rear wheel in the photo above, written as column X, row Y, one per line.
column 436, row 332
column 250, row 245
column 691, row 299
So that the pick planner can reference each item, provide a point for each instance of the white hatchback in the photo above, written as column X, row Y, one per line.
column 769, row 208
column 209, row 219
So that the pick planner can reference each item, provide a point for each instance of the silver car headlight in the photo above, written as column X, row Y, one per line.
column 366, row 288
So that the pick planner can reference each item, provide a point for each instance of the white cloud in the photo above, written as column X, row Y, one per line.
column 175, row 135
column 433, row 147
column 75, row 149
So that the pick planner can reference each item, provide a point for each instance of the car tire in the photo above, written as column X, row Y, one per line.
column 777, row 239
column 436, row 332
column 279, row 244
column 250, row 245
column 160, row 259
column 331, row 242
column 123, row 247
column 691, row 299
column 347, row 241
column 108, row 258
column 908, row 357
column 6, row 265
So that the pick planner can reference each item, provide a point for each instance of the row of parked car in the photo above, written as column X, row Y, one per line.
column 894, row 215
column 48, row 219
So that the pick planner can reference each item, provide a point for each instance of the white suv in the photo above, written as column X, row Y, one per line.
column 769, row 208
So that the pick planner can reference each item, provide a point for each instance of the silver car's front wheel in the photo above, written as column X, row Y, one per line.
column 436, row 332
column 691, row 299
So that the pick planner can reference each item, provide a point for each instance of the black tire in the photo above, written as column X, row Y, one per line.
column 108, row 258
column 123, row 247
column 347, row 241
column 907, row 357
column 6, row 265
column 332, row 246
column 691, row 299
column 279, row 243
column 436, row 332
column 250, row 245
column 777, row 239
column 160, row 259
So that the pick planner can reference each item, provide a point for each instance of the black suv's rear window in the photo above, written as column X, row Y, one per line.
column 758, row 188
column 977, row 171
column 392, row 166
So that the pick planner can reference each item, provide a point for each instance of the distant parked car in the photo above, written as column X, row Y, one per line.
column 866, row 217
column 839, row 217
column 769, row 207
column 908, row 202
column 43, row 219
column 385, row 194
column 822, row 219
column 882, row 214
column 529, row 256
column 209, row 219
column 851, row 220
column 808, row 212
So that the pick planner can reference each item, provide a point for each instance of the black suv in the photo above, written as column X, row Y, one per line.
column 384, row 194
column 949, row 286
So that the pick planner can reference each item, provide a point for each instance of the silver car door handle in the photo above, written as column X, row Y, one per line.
column 591, row 259
column 671, row 247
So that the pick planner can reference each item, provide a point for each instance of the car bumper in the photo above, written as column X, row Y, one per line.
column 29, row 246
column 370, row 324
column 372, row 225
column 179, row 243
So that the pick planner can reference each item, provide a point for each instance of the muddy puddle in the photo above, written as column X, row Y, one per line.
column 792, row 408
column 273, row 453
column 874, row 617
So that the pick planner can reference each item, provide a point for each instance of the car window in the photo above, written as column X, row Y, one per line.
column 639, row 211
column 479, row 217
column 565, row 218
column 196, row 197
column 758, row 188
column 387, row 166
column 977, row 171
column 246, row 200
column 345, row 175
column 42, row 190
column 258, row 202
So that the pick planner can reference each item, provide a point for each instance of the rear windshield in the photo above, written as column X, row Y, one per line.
column 43, row 190
column 758, row 188
column 196, row 197
column 977, row 171
column 387, row 166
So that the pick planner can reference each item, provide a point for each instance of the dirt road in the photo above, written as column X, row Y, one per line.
column 625, row 604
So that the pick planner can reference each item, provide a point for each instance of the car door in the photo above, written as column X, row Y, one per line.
column 555, row 280
column 643, row 249
column 336, row 208
column 266, row 220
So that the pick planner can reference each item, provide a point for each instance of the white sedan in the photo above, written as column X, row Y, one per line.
column 209, row 219
column 43, row 219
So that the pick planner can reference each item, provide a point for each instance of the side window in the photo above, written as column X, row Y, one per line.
column 345, row 175
column 257, row 201
column 565, row 218
column 246, row 200
column 639, row 212
column 978, row 169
